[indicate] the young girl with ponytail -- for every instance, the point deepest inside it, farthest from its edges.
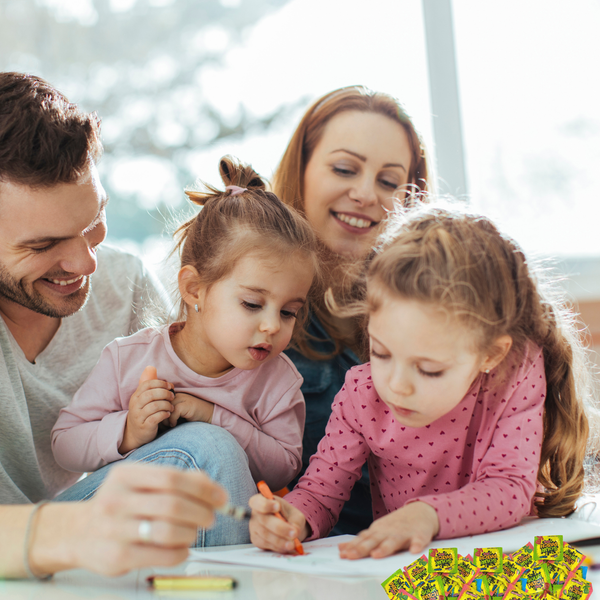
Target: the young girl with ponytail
(247, 264)
(468, 414)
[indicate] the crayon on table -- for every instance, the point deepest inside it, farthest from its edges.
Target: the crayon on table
(191, 582)
(264, 489)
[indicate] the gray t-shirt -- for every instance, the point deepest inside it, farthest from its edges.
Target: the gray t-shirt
(31, 395)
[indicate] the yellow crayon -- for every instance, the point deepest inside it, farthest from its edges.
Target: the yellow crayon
(191, 582)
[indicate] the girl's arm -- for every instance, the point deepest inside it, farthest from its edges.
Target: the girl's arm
(102, 535)
(273, 445)
(88, 432)
(334, 468)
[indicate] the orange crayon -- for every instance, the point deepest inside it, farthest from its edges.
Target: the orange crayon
(264, 489)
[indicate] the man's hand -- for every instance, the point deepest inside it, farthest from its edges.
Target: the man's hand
(413, 526)
(270, 533)
(104, 534)
(150, 404)
(191, 408)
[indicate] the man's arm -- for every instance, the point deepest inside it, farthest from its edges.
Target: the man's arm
(103, 534)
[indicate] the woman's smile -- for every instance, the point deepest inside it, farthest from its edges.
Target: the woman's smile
(351, 177)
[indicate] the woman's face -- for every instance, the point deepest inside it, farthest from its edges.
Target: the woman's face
(351, 176)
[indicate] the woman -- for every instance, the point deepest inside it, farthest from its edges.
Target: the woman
(352, 153)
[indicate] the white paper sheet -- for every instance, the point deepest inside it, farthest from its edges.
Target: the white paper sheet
(322, 556)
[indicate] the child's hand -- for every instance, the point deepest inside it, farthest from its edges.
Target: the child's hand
(191, 408)
(150, 404)
(412, 526)
(270, 533)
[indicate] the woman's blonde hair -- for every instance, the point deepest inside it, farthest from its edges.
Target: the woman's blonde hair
(234, 223)
(288, 182)
(463, 264)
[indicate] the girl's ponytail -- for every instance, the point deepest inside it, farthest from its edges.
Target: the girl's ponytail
(566, 426)
(235, 173)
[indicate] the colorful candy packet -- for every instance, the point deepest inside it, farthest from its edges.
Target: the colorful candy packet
(548, 547)
(395, 582)
(572, 557)
(576, 588)
(469, 594)
(537, 580)
(443, 560)
(452, 584)
(488, 560)
(416, 572)
(559, 571)
(524, 556)
(432, 588)
(465, 568)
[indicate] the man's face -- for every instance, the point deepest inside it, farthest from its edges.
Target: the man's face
(48, 239)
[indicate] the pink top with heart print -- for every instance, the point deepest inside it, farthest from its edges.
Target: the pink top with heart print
(477, 465)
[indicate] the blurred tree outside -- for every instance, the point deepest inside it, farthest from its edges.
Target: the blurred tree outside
(138, 64)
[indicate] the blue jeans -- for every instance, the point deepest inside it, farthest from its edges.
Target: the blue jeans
(198, 446)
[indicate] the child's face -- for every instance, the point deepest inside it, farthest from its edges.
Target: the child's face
(422, 363)
(248, 317)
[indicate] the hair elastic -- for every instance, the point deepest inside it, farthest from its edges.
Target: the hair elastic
(236, 190)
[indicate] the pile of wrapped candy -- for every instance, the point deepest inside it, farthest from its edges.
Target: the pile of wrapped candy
(548, 569)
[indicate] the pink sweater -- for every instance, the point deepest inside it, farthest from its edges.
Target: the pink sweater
(262, 408)
(477, 465)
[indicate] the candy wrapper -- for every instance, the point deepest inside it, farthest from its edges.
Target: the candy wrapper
(432, 588)
(465, 568)
(416, 572)
(452, 584)
(488, 560)
(515, 594)
(537, 580)
(548, 547)
(443, 560)
(524, 556)
(572, 557)
(576, 588)
(395, 582)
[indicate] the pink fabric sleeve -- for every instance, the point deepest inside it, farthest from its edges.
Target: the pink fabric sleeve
(274, 447)
(333, 470)
(89, 431)
(500, 491)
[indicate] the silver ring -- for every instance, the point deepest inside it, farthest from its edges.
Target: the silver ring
(145, 530)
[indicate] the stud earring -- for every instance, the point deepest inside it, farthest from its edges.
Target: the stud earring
(196, 309)
(487, 370)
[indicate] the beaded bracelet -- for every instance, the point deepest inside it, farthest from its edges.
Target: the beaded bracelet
(28, 536)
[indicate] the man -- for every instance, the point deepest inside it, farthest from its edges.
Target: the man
(62, 299)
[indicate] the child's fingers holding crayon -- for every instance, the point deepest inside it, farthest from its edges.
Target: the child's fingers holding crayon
(269, 532)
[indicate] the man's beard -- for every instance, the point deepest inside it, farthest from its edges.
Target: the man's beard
(13, 290)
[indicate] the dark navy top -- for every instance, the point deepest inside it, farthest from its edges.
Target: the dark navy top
(323, 379)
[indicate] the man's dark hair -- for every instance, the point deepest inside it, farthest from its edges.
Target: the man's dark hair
(44, 139)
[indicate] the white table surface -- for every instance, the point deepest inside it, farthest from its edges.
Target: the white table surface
(252, 584)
